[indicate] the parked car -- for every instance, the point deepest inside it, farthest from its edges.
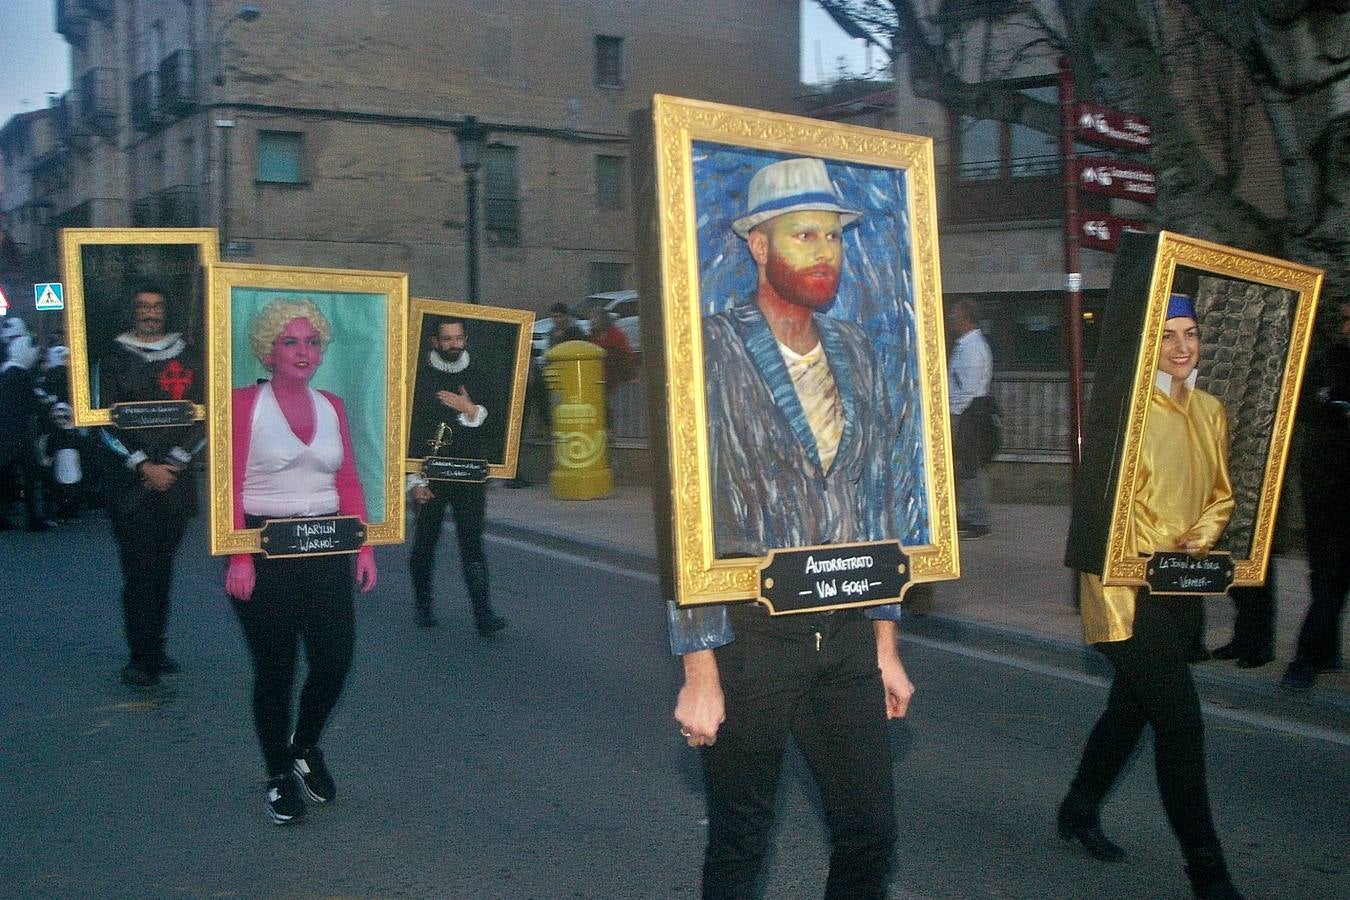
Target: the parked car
(623, 305)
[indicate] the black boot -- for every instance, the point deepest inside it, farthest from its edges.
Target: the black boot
(476, 580)
(1208, 873)
(1078, 821)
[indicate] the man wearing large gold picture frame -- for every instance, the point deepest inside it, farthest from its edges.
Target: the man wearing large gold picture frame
(796, 412)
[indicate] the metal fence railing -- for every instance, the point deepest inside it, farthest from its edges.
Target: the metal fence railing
(1034, 406)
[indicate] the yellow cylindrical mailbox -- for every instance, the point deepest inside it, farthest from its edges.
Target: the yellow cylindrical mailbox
(576, 377)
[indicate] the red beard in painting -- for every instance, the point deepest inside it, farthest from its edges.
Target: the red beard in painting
(811, 287)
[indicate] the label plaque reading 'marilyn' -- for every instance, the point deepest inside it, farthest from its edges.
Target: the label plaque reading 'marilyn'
(449, 468)
(836, 576)
(1181, 573)
(152, 413)
(312, 536)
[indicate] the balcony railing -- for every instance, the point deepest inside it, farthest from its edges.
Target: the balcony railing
(72, 21)
(145, 114)
(177, 83)
(97, 93)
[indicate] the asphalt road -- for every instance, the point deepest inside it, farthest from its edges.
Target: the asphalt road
(544, 763)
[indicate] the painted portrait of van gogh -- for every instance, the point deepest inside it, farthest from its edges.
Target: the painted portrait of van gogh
(876, 294)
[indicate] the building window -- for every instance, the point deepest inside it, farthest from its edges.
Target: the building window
(606, 276)
(501, 195)
(279, 157)
(609, 182)
(609, 61)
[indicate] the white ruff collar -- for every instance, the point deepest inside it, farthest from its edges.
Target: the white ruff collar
(166, 347)
(450, 368)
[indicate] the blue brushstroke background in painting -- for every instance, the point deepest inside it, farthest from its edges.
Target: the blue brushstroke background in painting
(876, 288)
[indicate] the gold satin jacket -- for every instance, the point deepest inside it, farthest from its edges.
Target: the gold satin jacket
(1182, 492)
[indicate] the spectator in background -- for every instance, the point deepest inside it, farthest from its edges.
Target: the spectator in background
(1325, 416)
(620, 360)
(970, 375)
(565, 327)
(19, 408)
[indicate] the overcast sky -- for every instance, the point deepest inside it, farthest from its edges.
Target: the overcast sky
(35, 60)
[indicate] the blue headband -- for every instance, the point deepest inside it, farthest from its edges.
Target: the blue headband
(1180, 306)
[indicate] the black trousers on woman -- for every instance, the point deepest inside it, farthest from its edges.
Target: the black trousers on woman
(1153, 687)
(304, 597)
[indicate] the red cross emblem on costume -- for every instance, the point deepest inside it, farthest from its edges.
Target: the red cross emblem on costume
(174, 379)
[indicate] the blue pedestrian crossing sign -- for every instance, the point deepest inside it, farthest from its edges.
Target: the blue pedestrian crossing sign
(48, 296)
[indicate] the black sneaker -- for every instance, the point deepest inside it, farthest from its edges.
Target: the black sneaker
(138, 677)
(284, 803)
(1299, 677)
(313, 775)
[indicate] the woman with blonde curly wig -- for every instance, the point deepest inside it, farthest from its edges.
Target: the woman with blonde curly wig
(293, 458)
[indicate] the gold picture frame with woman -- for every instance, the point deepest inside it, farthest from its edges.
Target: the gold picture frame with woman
(490, 346)
(1250, 317)
(724, 180)
(354, 324)
(104, 270)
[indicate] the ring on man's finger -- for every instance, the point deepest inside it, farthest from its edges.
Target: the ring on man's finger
(685, 732)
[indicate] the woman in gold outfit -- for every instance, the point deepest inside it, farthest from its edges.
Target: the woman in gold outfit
(1182, 501)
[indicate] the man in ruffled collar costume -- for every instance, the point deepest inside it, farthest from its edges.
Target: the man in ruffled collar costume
(152, 490)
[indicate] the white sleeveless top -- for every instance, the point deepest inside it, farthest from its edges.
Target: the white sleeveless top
(284, 476)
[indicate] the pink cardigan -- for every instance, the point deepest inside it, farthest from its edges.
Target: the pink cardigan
(351, 500)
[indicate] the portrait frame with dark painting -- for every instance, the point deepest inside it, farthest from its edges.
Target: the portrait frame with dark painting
(499, 349)
(1255, 317)
(695, 266)
(367, 312)
(101, 268)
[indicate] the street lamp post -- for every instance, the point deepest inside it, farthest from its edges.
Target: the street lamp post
(471, 136)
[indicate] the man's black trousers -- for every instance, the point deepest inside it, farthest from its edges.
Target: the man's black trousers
(148, 526)
(468, 505)
(813, 677)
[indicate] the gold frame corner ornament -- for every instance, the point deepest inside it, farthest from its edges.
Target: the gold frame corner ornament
(700, 577)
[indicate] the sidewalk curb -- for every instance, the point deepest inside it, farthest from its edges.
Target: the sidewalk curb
(1215, 684)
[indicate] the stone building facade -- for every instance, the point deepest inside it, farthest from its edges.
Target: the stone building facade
(324, 134)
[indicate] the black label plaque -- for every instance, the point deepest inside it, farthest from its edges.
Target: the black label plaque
(1181, 573)
(152, 413)
(312, 536)
(834, 576)
(449, 468)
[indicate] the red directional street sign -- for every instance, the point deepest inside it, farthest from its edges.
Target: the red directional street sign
(1108, 127)
(1103, 232)
(1116, 178)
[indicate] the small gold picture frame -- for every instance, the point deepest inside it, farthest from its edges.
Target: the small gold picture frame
(495, 373)
(364, 366)
(101, 269)
(1255, 317)
(889, 291)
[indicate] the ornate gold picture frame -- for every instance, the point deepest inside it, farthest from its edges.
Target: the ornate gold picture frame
(497, 370)
(889, 291)
(364, 365)
(1255, 317)
(101, 269)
